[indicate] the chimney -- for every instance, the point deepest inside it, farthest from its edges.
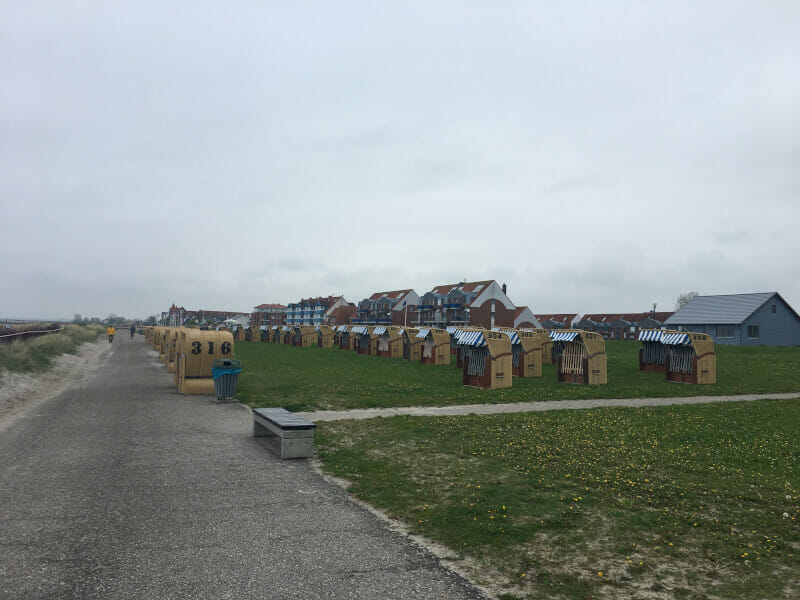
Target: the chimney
(504, 288)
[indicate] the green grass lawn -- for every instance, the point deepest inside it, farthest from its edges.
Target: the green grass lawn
(315, 378)
(699, 501)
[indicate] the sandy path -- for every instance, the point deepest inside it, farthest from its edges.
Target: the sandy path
(20, 392)
(518, 407)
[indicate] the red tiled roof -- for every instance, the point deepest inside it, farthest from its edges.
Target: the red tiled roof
(560, 317)
(322, 300)
(630, 317)
(604, 317)
(467, 287)
(393, 295)
(660, 316)
(270, 306)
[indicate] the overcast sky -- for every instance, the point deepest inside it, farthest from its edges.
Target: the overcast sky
(594, 156)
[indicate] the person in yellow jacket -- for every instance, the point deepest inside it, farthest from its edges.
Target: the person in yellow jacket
(111, 331)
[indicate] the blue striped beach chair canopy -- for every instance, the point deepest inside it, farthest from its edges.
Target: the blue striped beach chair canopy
(512, 335)
(676, 339)
(650, 335)
(564, 336)
(472, 338)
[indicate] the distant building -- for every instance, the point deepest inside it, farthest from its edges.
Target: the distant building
(342, 315)
(388, 308)
(239, 321)
(524, 318)
(740, 319)
(178, 315)
(622, 326)
(559, 320)
(313, 311)
(476, 303)
(268, 314)
(612, 326)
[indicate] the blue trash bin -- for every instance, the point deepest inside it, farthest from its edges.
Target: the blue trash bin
(225, 372)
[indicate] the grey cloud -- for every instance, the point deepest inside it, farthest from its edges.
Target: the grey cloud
(592, 158)
(574, 183)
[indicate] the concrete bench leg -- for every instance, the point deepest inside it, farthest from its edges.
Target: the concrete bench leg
(294, 444)
(261, 431)
(297, 447)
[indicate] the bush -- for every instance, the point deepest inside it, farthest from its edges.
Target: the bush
(36, 354)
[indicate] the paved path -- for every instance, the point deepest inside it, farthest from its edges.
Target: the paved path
(121, 488)
(518, 407)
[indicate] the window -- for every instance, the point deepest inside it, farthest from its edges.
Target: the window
(752, 331)
(774, 309)
(725, 331)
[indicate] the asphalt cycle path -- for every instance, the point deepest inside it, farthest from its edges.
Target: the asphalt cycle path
(121, 488)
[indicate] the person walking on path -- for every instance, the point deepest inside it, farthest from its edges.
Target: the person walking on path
(111, 331)
(133, 330)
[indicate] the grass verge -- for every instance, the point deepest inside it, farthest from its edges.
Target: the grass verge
(698, 501)
(314, 378)
(36, 354)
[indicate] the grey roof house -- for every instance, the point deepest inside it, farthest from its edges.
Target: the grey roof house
(740, 319)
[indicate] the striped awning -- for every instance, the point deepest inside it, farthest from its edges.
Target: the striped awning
(423, 333)
(460, 334)
(359, 329)
(472, 338)
(379, 331)
(676, 339)
(451, 330)
(286, 328)
(563, 336)
(316, 328)
(401, 331)
(512, 335)
(653, 335)
(275, 327)
(342, 329)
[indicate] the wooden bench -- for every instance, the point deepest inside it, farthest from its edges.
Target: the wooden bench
(296, 434)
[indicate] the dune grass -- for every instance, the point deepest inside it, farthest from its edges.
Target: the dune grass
(315, 378)
(36, 354)
(699, 501)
